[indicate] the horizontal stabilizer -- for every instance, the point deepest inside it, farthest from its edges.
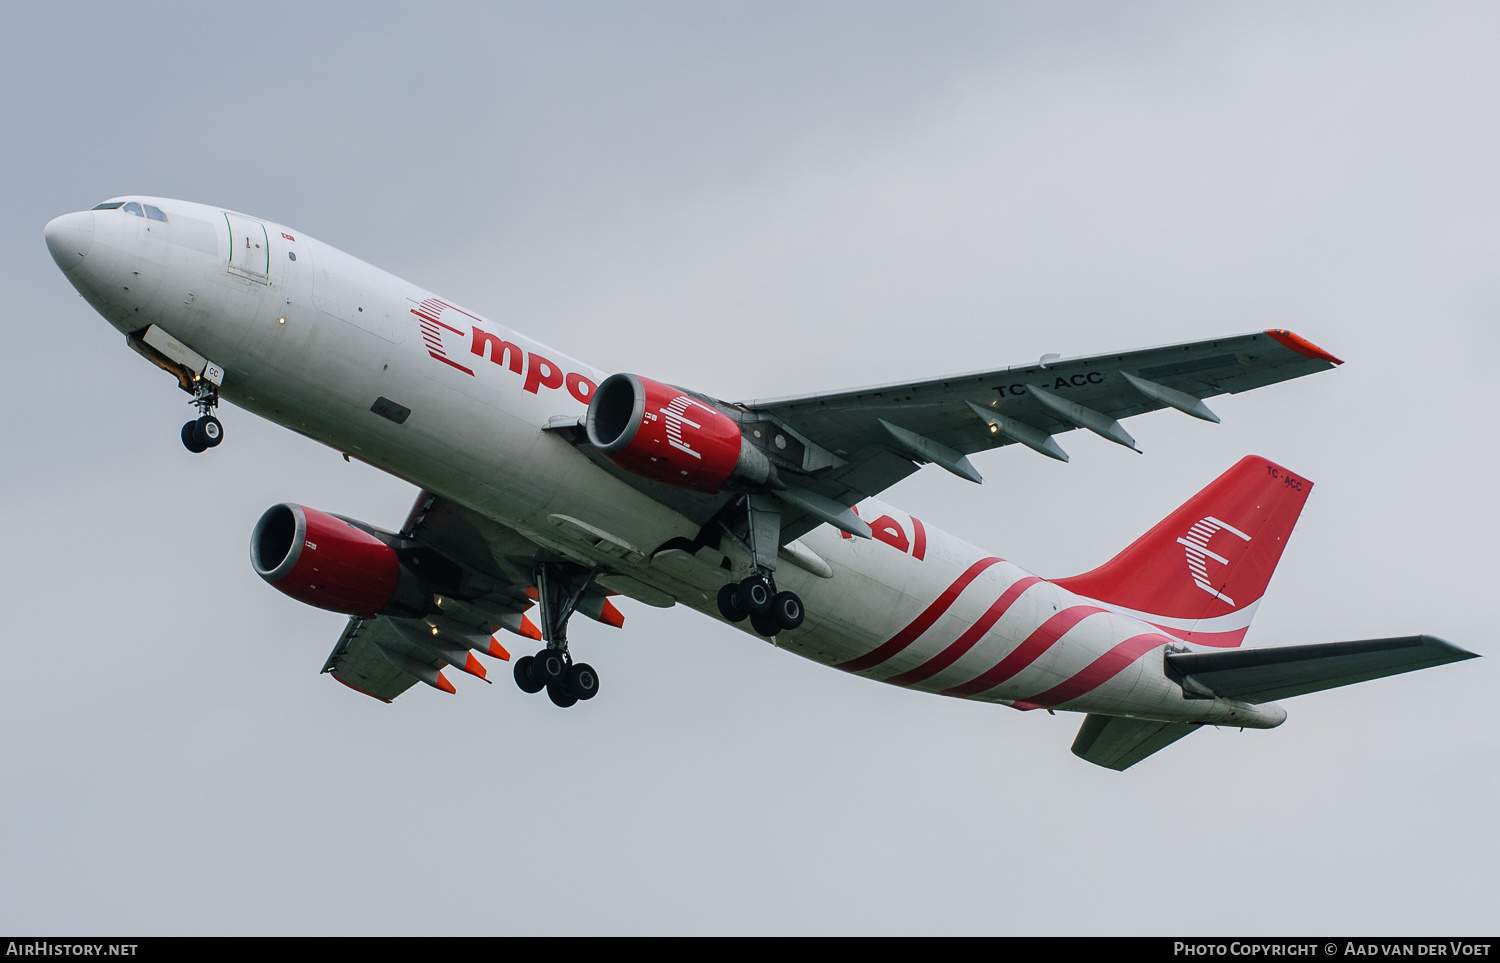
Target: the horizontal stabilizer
(1265, 675)
(1116, 742)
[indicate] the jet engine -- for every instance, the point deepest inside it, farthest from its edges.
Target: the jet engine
(673, 437)
(325, 561)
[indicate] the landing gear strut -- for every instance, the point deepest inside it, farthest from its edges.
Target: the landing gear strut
(755, 597)
(206, 431)
(559, 585)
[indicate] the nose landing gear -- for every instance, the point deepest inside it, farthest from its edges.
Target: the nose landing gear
(205, 431)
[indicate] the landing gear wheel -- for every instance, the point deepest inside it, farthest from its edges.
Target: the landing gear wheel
(787, 610)
(765, 623)
(583, 681)
(549, 667)
(209, 430)
(729, 604)
(522, 672)
(191, 440)
(756, 594)
(561, 696)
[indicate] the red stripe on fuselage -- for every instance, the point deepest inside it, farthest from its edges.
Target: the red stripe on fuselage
(921, 623)
(966, 641)
(1028, 651)
(1222, 640)
(1100, 671)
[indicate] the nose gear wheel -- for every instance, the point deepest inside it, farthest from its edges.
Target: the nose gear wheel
(206, 431)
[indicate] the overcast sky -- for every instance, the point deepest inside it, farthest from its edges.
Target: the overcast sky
(756, 200)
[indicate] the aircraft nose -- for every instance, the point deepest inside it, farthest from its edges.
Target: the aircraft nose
(69, 238)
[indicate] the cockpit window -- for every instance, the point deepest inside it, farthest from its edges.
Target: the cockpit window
(134, 207)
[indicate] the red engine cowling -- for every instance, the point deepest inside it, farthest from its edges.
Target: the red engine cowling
(324, 561)
(667, 435)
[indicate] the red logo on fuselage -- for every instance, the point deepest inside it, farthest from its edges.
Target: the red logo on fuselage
(537, 372)
(888, 530)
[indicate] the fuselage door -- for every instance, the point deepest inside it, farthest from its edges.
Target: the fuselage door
(249, 248)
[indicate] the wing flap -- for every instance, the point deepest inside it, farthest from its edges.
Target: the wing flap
(1280, 672)
(357, 663)
(479, 575)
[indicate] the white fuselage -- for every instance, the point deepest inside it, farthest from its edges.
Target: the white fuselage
(310, 337)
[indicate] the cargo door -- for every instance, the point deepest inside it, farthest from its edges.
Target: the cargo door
(249, 248)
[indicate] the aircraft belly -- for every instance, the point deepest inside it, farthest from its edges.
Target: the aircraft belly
(878, 588)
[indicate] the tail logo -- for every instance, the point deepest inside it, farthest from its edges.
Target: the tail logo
(1196, 543)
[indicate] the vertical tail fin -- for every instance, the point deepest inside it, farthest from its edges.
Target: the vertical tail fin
(1201, 572)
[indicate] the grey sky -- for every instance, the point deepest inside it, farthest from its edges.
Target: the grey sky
(759, 200)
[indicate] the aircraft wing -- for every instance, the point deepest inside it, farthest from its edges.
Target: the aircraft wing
(1255, 676)
(873, 437)
(479, 570)
(359, 663)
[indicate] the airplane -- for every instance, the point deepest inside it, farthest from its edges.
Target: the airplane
(551, 488)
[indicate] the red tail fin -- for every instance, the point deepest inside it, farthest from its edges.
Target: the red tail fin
(1201, 571)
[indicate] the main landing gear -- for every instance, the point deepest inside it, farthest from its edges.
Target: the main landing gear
(770, 612)
(559, 585)
(205, 431)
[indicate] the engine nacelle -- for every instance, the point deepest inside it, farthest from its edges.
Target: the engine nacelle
(667, 435)
(324, 561)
